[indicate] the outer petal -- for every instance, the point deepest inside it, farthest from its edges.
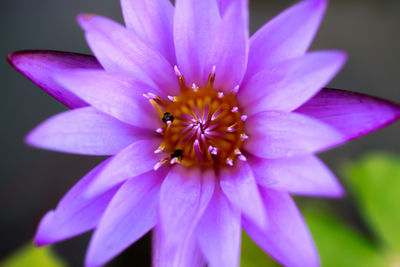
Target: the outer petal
(240, 188)
(187, 254)
(304, 175)
(115, 94)
(76, 213)
(288, 85)
(286, 36)
(131, 213)
(352, 114)
(38, 66)
(152, 20)
(195, 24)
(231, 38)
(287, 238)
(84, 131)
(219, 232)
(121, 50)
(280, 134)
(184, 197)
(134, 160)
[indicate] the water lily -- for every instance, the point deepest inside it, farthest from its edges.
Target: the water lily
(208, 130)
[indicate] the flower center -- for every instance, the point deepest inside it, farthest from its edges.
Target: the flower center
(201, 126)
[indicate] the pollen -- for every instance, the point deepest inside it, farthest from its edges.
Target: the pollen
(202, 126)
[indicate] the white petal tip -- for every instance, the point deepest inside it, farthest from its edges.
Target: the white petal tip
(158, 150)
(242, 158)
(244, 137)
(157, 166)
(177, 71)
(213, 69)
(235, 89)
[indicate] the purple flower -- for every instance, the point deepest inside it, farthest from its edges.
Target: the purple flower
(208, 130)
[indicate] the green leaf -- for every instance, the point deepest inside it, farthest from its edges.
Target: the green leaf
(375, 183)
(30, 256)
(253, 256)
(338, 244)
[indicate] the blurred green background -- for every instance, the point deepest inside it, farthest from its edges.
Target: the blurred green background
(359, 230)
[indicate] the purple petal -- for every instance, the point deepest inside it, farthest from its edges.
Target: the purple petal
(195, 24)
(184, 197)
(224, 5)
(288, 85)
(121, 50)
(152, 20)
(231, 38)
(286, 238)
(131, 214)
(84, 131)
(351, 113)
(38, 66)
(75, 213)
(281, 134)
(134, 160)
(286, 36)
(219, 232)
(115, 94)
(240, 188)
(304, 175)
(187, 254)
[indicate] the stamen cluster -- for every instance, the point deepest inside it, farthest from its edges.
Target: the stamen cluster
(201, 126)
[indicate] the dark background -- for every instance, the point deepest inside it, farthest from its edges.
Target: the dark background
(32, 181)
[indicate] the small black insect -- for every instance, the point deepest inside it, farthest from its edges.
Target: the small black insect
(167, 117)
(177, 154)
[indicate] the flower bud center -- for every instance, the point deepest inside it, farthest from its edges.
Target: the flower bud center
(201, 126)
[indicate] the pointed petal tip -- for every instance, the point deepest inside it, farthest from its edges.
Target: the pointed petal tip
(392, 112)
(31, 138)
(39, 241)
(337, 57)
(90, 261)
(35, 139)
(342, 55)
(342, 58)
(395, 107)
(84, 18)
(353, 114)
(318, 5)
(337, 192)
(10, 58)
(14, 57)
(44, 231)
